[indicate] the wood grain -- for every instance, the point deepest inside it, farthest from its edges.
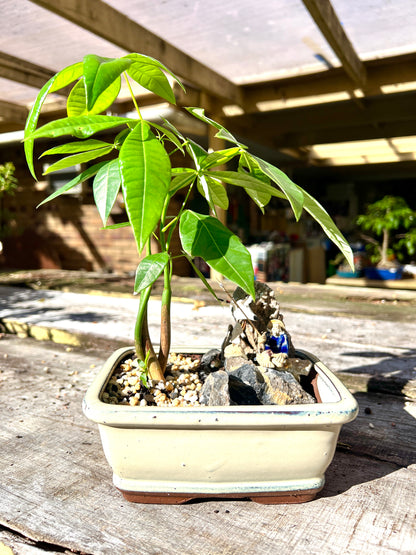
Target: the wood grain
(56, 485)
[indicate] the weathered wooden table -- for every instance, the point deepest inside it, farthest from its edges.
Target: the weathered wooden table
(56, 493)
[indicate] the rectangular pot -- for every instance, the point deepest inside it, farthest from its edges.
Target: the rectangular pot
(383, 273)
(268, 453)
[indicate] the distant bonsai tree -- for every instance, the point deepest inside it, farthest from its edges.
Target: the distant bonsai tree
(8, 185)
(385, 219)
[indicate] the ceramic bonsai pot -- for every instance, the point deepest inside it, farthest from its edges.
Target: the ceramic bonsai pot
(383, 273)
(270, 454)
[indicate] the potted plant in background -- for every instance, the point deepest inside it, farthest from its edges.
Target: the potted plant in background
(173, 454)
(386, 218)
(8, 186)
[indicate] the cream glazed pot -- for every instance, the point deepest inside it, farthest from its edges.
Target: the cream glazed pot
(268, 453)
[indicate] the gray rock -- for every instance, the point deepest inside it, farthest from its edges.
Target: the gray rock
(282, 388)
(211, 360)
(250, 375)
(232, 363)
(298, 367)
(264, 308)
(241, 393)
(215, 391)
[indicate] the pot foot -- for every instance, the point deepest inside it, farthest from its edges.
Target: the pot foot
(266, 498)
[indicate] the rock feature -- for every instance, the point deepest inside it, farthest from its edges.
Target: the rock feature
(259, 353)
(256, 365)
(251, 376)
(215, 391)
(210, 362)
(282, 388)
(241, 393)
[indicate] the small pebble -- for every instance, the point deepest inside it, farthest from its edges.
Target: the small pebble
(180, 388)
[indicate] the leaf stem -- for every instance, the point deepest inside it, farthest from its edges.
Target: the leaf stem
(142, 342)
(132, 96)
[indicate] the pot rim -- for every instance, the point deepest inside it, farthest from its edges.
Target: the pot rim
(337, 412)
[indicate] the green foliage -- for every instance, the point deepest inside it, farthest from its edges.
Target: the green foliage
(390, 213)
(407, 243)
(383, 218)
(8, 182)
(208, 238)
(138, 166)
(8, 186)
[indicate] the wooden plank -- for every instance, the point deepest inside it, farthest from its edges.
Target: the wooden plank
(402, 387)
(114, 26)
(15, 544)
(384, 429)
(56, 485)
(329, 122)
(325, 17)
(11, 112)
(313, 88)
(22, 71)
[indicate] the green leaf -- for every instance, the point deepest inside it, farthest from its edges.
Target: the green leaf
(181, 181)
(197, 153)
(77, 103)
(31, 123)
(174, 130)
(75, 159)
(149, 73)
(121, 137)
(58, 81)
(153, 79)
(149, 269)
(66, 76)
(77, 146)
(99, 74)
(106, 186)
(217, 194)
(83, 176)
(171, 136)
(319, 213)
(208, 238)
(145, 173)
(292, 192)
(245, 180)
(81, 126)
(259, 197)
(220, 157)
(223, 133)
(116, 226)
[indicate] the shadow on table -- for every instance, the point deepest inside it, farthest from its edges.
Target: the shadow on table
(380, 441)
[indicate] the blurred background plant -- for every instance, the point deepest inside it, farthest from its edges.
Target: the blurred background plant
(8, 186)
(392, 224)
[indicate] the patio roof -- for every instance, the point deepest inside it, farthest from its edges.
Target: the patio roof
(325, 83)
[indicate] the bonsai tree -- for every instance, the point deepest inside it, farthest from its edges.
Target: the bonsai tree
(383, 218)
(140, 166)
(8, 185)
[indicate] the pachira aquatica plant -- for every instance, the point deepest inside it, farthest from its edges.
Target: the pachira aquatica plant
(140, 167)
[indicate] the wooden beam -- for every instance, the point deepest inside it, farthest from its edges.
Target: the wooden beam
(22, 71)
(12, 113)
(104, 21)
(384, 116)
(316, 87)
(325, 17)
